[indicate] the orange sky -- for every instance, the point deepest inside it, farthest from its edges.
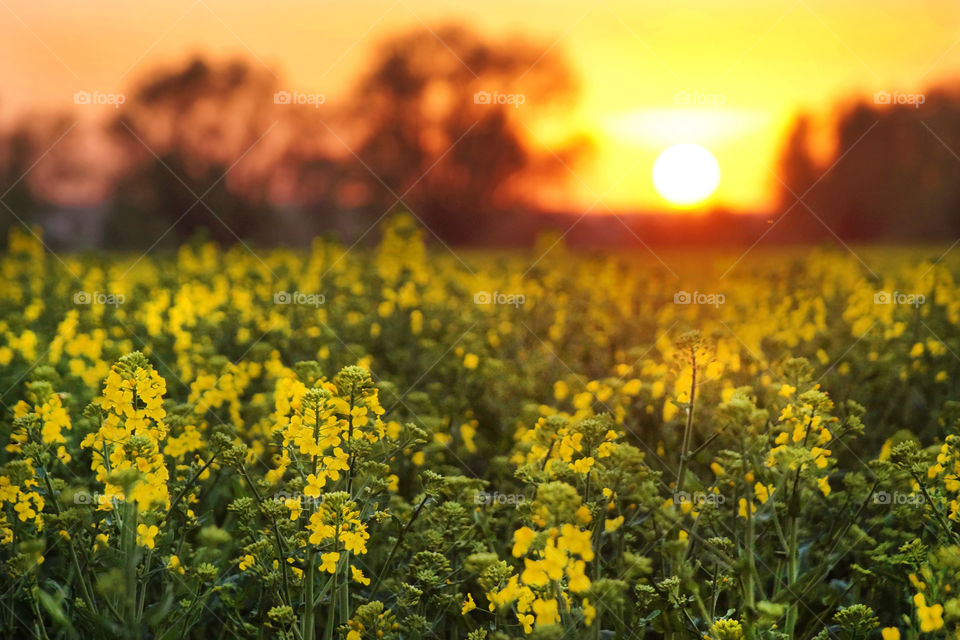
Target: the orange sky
(727, 75)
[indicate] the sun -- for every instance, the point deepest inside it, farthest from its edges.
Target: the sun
(686, 174)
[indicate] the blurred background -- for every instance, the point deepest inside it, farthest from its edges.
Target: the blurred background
(139, 125)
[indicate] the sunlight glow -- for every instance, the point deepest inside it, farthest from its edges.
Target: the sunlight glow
(686, 174)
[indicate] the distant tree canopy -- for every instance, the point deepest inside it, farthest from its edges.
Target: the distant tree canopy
(444, 125)
(18, 197)
(24, 195)
(411, 135)
(189, 138)
(893, 176)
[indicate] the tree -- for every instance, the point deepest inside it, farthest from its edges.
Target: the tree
(197, 131)
(894, 174)
(41, 166)
(443, 122)
(799, 173)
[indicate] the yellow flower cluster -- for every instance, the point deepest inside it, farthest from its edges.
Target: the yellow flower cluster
(337, 519)
(127, 446)
(930, 616)
(947, 469)
(27, 503)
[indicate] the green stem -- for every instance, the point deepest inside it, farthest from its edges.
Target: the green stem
(73, 551)
(143, 585)
(308, 620)
(940, 519)
(792, 568)
(328, 632)
(793, 525)
(396, 544)
(189, 613)
(749, 596)
(183, 491)
(129, 544)
(281, 549)
(308, 613)
(688, 427)
(345, 589)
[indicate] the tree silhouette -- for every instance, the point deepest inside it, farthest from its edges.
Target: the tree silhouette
(198, 131)
(444, 119)
(893, 176)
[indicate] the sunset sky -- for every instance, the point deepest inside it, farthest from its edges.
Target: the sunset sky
(728, 76)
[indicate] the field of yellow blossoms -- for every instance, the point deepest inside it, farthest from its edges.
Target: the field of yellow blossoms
(401, 442)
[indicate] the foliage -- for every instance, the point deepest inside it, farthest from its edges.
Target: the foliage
(374, 444)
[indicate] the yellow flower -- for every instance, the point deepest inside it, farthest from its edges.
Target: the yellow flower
(824, 485)
(546, 611)
(295, 508)
(522, 538)
(358, 576)
(470, 361)
(890, 633)
(247, 562)
(174, 564)
(467, 432)
(931, 618)
(468, 605)
(612, 524)
(416, 322)
(583, 515)
(576, 541)
(354, 542)
(583, 465)
(527, 621)
(727, 630)
(589, 612)
(578, 578)
(631, 388)
(533, 573)
(670, 410)
(146, 535)
(315, 484)
(560, 390)
(763, 492)
(328, 562)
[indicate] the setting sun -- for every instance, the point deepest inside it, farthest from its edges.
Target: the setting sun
(686, 174)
